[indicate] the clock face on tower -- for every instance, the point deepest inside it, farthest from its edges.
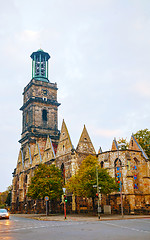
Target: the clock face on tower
(44, 92)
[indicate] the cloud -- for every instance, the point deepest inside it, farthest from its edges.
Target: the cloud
(28, 35)
(143, 89)
(106, 133)
(99, 58)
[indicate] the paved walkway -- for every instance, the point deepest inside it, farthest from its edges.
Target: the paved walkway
(78, 217)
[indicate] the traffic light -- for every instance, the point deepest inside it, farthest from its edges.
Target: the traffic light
(65, 198)
(96, 194)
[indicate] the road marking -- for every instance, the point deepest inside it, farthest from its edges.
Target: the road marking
(39, 226)
(68, 224)
(120, 226)
(138, 220)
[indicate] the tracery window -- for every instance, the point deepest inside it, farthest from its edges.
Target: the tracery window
(118, 173)
(63, 172)
(135, 174)
(25, 185)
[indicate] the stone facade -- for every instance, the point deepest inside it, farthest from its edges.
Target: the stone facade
(39, 111)
(42, 142)
(40, 132)
(67, 158)
(131, 168)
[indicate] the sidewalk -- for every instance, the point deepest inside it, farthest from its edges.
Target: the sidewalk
(79, 217)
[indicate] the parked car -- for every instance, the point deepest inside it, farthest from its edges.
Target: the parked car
(4, 214)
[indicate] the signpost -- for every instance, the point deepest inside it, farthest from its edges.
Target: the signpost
(46, 199)
(65, 200)
(64, 190)
(99, 195)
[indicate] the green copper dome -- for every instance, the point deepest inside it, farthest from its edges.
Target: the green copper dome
(40, 65)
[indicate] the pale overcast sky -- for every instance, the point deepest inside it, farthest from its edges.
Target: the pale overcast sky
(100, 59)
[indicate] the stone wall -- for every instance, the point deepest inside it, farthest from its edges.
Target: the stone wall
(135, 177)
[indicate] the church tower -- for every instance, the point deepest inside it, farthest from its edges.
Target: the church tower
(40, 134)
(40, 105)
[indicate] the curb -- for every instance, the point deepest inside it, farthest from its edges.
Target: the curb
(78, 218)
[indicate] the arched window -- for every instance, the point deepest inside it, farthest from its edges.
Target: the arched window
(117, 164)
(17, 184)
(118, 173)
(25, 186)
(102, 164)
(132, 143)
(25, 179)
(44, 115)
(63, 172)
(135, 174)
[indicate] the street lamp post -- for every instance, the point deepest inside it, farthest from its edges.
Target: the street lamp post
(99, 195)
(120, 186)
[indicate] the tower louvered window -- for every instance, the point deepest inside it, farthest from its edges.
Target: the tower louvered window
(44, 115)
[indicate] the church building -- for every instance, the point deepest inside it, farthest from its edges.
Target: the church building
(42, 142)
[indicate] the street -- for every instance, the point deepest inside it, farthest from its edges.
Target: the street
(18, 228)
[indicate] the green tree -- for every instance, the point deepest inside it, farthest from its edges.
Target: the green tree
(82, 183)
(122, 144)
(47, 181)
(8, 199)
(143, 138)
(5, 198)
